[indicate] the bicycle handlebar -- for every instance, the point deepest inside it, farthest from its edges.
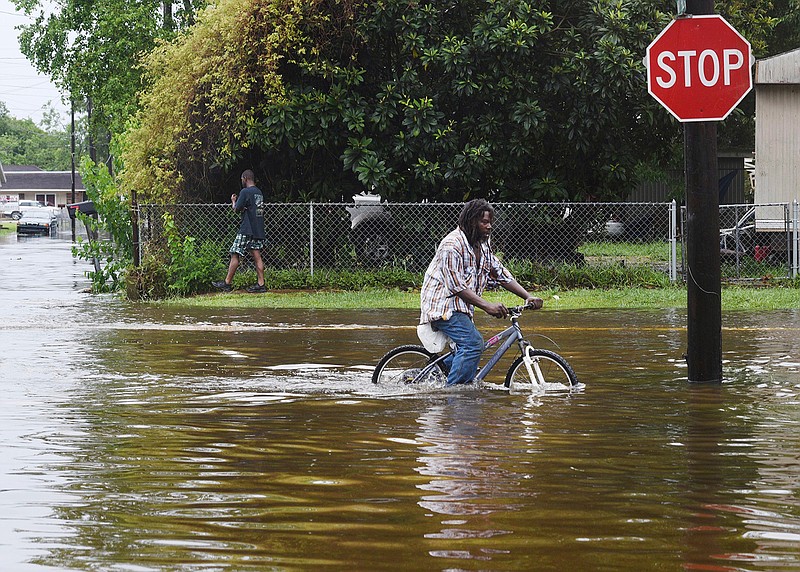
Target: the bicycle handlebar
(517, 310)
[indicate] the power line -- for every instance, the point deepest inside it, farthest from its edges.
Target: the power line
(29, 86)
(15, 14)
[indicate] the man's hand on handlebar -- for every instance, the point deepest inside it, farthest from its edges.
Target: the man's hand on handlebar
(534, 303)
(496, 309)
(499, 310)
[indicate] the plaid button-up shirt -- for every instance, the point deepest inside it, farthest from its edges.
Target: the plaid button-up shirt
(455, 268)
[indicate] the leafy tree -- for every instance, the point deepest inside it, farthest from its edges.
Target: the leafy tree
(441, 100)
(786, 34)
(22, 142)
(91, 49)
(209, 88)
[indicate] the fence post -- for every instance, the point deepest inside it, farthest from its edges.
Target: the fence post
(311, 237)
(796, 238)
(136, 231)
(673, 240)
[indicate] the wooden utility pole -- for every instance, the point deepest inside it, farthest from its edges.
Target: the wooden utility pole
(72, 157)
(703, 275)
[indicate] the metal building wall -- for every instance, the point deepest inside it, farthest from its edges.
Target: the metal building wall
(777, 162)
(777, 143)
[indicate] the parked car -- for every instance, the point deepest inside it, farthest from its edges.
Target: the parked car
(16, 209)
(39, 221)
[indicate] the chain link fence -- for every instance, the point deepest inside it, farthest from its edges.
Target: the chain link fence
(757, 241)
(370, 234)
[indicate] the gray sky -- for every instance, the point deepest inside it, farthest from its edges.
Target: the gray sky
(24, 91)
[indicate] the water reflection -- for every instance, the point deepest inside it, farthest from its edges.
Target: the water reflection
(140, 437)
(468, 482)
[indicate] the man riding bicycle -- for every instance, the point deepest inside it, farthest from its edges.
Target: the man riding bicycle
(454, 284)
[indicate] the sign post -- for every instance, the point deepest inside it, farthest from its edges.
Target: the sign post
(698, 67)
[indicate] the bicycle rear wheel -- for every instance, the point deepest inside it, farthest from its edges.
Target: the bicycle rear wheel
(555, 371)
(400, 367)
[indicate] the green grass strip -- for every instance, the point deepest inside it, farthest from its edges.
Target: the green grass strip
(733, 298)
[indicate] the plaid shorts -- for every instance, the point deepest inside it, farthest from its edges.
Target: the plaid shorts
(243, 244)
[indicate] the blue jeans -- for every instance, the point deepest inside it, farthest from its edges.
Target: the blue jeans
(469, 347)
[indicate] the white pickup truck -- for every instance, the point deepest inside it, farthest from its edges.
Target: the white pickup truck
(15, 209)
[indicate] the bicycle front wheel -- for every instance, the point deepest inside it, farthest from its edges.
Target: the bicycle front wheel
(401, 366)
(552, 372)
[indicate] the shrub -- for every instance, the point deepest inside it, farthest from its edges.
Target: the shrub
(192, 265)
(113, 255)
(148, 281)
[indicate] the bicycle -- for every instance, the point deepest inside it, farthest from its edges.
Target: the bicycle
(534, 368)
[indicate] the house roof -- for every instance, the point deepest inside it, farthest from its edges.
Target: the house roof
(30, 178)
(780, 69)
(8, 168)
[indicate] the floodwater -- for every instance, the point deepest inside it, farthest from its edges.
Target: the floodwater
(139, 438)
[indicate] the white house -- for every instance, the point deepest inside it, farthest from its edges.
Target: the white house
(51, 188)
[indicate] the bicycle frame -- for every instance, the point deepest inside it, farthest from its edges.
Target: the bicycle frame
(511, 335)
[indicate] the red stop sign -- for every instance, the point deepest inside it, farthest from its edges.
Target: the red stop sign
(698, 67)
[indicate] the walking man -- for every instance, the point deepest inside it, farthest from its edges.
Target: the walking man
(251, 236)
(454, 285)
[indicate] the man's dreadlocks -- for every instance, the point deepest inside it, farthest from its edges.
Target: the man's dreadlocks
(469, 217)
